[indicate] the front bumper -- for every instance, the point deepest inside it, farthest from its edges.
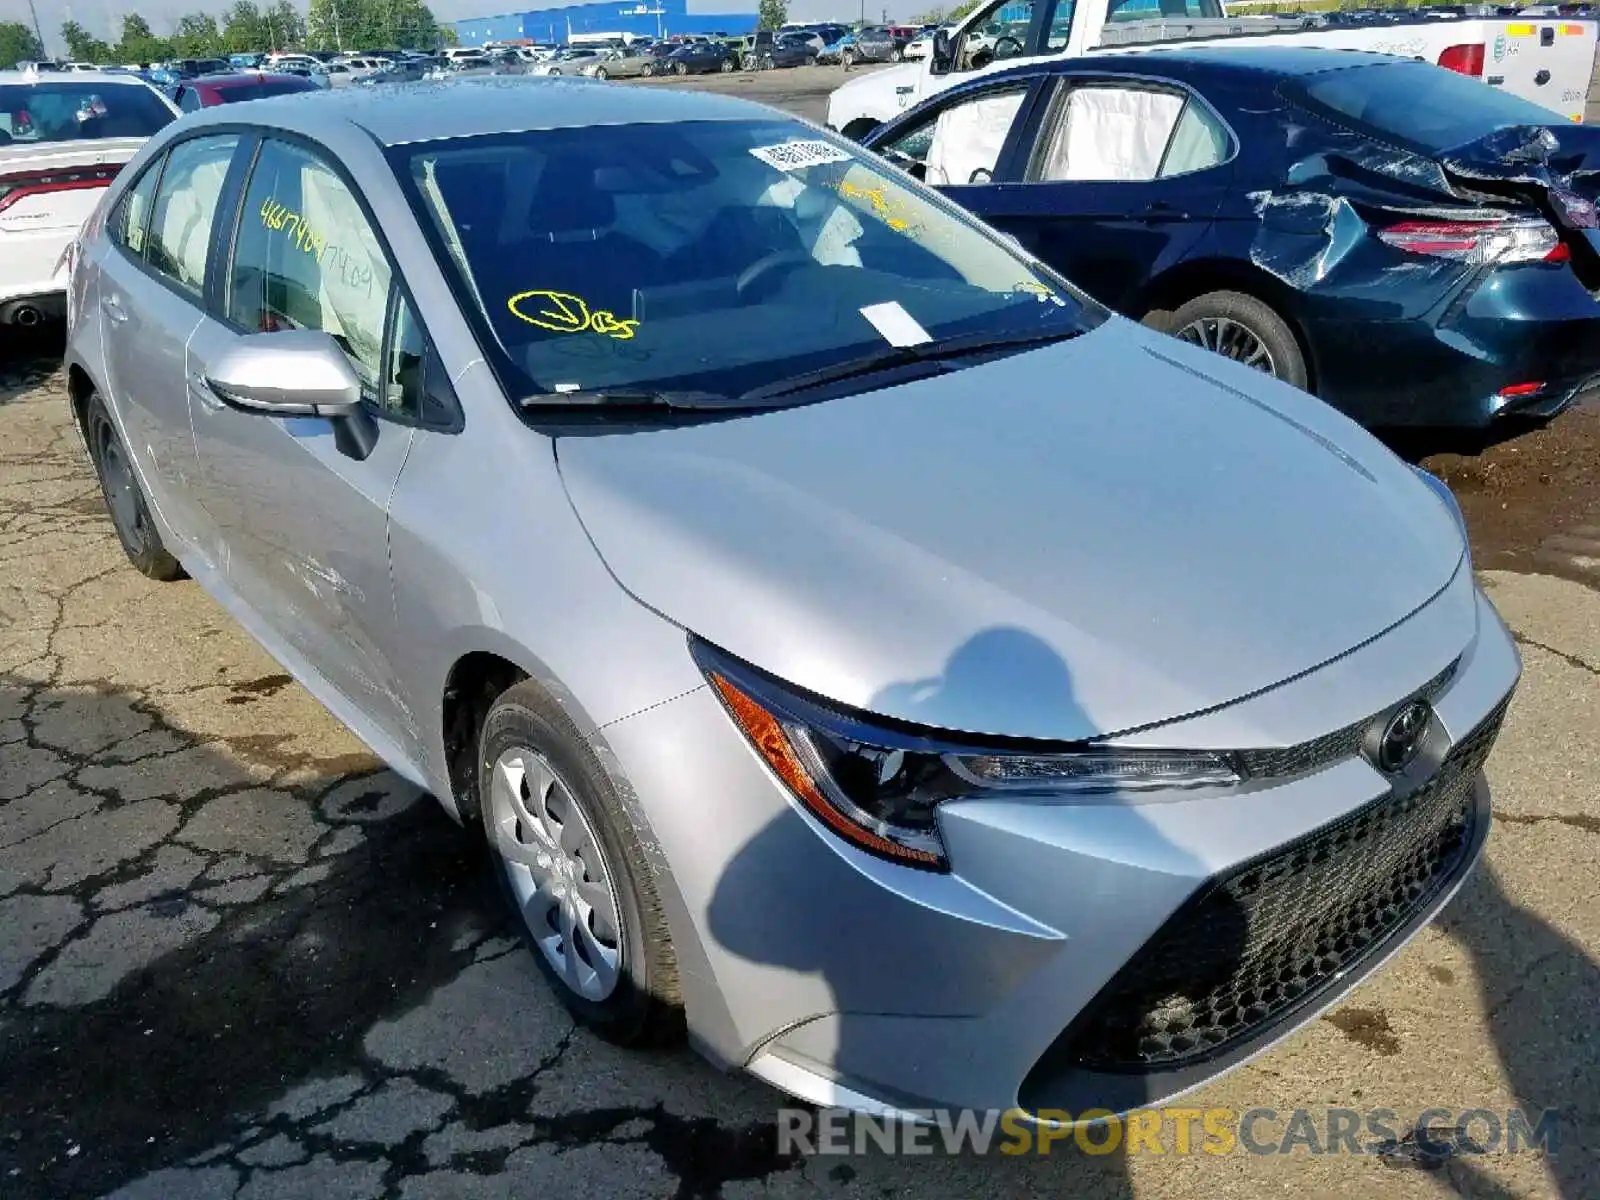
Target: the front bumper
(1038, 973)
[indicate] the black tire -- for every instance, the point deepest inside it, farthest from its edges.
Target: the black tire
(647, 70)
(728, 65)
(600, 73)
(646, 1007)
(125, 502)
(1206, 319)
(897, 55)
(847, 60)
(683, 68)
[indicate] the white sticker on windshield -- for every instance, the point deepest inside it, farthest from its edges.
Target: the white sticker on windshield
(796, 156)
(895, 325)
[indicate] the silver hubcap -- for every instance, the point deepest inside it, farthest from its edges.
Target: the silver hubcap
(1222, 335)
(558, 873)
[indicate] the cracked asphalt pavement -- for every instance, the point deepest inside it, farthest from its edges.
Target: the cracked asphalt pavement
(239, 959)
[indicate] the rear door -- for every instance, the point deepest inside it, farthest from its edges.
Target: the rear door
(1117, 179)
(152, 283)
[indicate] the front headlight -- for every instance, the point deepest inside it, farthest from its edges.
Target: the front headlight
(878, 783)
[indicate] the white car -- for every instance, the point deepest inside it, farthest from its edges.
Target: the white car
(63, 138)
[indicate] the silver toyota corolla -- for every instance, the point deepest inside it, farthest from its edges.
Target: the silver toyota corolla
(852, 642)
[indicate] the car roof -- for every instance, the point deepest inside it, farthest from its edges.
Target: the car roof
(404, 113)
(242, 79)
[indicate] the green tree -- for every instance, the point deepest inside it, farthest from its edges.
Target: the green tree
(331, 24)
(197, 36)
(286, 28)
(448, 36)
(772, 14)
(244, 29)
(139, 43)
(18, 43)
(82, 46)
(934, 16)
(960, 11)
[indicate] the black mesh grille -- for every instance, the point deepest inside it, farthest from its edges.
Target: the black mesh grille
(1270, 935)
(1330, 747)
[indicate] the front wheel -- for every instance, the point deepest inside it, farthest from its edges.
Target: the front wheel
(897, 55)
(847, 60)
(683, 68)
(647, 70)
(125, 502)
(727, 65)
(570, 865)
(1244, 329)
(600, 73)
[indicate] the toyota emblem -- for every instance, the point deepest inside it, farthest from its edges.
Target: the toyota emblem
(1402, 736)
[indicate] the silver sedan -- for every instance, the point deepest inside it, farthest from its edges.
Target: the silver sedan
(853, 644)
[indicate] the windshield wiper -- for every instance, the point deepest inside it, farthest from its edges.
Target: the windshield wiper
(630, 398)
(898, 356)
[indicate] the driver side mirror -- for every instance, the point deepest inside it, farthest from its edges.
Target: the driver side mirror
(296, 373)
(943, 56)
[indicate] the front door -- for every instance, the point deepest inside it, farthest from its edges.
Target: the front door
(306, 526)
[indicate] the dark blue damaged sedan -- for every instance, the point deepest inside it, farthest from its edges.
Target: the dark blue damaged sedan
(1410, 245)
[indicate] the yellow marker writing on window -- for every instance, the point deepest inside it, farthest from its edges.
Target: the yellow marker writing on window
(565, 313)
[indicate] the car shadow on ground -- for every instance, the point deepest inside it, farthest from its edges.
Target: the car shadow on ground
(1541, 996)
(28, 356)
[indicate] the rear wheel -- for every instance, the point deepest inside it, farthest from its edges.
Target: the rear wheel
(727, 65)
(647, 70)
(1244, 329)
(130, 515)
(847, 60)
(683, 68)
(897, 55)
(600, 73)
(569, 863)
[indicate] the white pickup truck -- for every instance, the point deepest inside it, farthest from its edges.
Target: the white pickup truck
(1544, 59)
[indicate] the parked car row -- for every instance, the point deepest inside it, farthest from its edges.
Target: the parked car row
(905, 642)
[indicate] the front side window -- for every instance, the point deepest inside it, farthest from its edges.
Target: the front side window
(999, 33)
(721, 256)
(179, 241)
(1119, 134)
(306, 257)
(962, 143)
(31, 113)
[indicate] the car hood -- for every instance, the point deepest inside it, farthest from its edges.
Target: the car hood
(1096, 536)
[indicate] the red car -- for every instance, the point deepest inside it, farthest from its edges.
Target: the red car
(207, 90)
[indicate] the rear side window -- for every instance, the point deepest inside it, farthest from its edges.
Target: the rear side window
(307, 258)
(32, 113)
(186, 202)
(1422, 106)
(133, 212)
(1128, 135)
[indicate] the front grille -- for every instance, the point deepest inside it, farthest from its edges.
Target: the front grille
(1330, 747)
(1270, 935)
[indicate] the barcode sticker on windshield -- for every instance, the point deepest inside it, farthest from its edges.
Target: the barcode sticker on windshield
(796, 156)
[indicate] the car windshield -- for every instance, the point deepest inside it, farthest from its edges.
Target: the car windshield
(1419, 105)
(718, 256)
(71, 112)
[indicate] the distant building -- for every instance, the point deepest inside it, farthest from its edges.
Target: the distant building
(627, 19)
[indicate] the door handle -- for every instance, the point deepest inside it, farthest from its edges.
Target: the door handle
(1160, 210)
(112, 305)
(201, 391)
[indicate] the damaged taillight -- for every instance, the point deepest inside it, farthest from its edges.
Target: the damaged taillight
(1483, 243)
(1466, 59)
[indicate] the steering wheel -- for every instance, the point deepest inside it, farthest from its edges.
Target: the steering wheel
(778, 260)
(1001, 50)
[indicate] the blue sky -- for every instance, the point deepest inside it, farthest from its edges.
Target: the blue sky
(102, 17)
